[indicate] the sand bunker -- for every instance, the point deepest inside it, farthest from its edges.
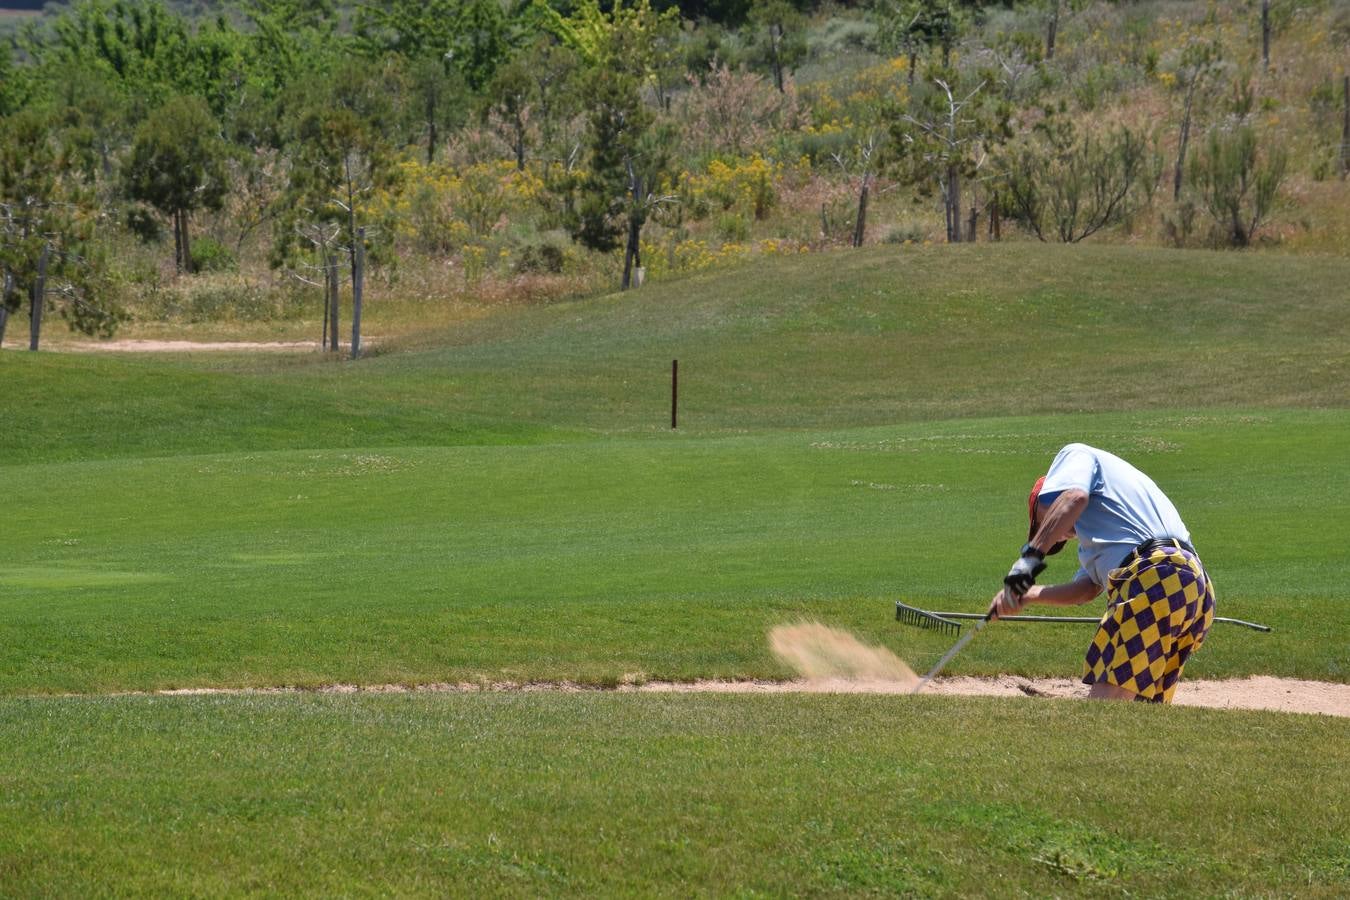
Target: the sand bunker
(832, 661)
(1258, 692)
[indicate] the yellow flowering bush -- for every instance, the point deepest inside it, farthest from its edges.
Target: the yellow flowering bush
(746, 186)
(693, 255)
(439, 206)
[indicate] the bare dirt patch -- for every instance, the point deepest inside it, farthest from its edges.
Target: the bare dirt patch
(149, 346)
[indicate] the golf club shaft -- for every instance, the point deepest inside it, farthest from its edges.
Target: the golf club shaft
(946, 657)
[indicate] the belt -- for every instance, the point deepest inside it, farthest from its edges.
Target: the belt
(1148, 546)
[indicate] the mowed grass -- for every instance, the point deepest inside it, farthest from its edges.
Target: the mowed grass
(623, 795)
(506, 502)
(638, 558)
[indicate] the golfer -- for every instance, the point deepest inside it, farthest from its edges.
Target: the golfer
(1132, 544)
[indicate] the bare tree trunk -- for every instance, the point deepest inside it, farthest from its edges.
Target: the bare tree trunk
(36, 300)
(974, 223)
(4, 304)
(775, 39)
(860, 227)
(630, 252)
(358, 286)
(177, 244)
(1345, 128)
(1185, 139)
(431, 125)
(327, 300)
(1052, 30)
(953, 205)
(1265, 33)
(187, 243)
(333, 299)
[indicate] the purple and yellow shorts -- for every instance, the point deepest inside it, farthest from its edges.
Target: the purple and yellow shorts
(1158, 611)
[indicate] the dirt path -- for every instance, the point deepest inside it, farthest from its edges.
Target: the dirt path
(1258, 692)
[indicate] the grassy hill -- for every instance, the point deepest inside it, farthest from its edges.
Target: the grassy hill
(841, 339)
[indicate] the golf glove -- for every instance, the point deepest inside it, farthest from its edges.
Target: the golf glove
(1023, 573)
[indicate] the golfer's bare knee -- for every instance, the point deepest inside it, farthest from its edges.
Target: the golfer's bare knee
(1103, 691)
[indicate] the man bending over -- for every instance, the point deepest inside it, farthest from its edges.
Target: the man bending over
(1132, 544)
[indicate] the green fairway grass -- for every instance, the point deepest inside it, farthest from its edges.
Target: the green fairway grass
(507, 503)
(657, 559)
(621, 795)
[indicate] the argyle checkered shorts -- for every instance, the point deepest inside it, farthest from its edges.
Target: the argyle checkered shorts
(1158, 611)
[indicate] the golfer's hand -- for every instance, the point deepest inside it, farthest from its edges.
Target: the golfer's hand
(1023, 573)
(1006, 605)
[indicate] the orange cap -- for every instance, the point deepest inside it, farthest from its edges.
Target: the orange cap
(1031, 506)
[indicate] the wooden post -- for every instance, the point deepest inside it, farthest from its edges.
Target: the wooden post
(358, 273)
(674, 392)
(37, 298)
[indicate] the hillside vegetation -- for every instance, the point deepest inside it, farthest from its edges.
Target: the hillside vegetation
(202, 174)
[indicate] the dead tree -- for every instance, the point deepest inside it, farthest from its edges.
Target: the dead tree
(952, 145)
(1199, 60)
(868, 155)
(323, 237)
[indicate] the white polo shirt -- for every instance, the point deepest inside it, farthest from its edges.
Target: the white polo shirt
(1125, 508)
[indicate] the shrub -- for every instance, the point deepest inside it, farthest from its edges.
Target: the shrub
(213, 299)
(820, 146)
(1069, 186)
(145, 223)
(748, 187)
(210, 255)
(1237, 183)
(733, 227)
(906, 232)
(545, 254)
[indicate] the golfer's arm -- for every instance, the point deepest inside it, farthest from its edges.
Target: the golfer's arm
(1057, 524)
(1075, 593)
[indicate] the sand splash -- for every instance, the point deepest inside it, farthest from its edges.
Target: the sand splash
(824, 655)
